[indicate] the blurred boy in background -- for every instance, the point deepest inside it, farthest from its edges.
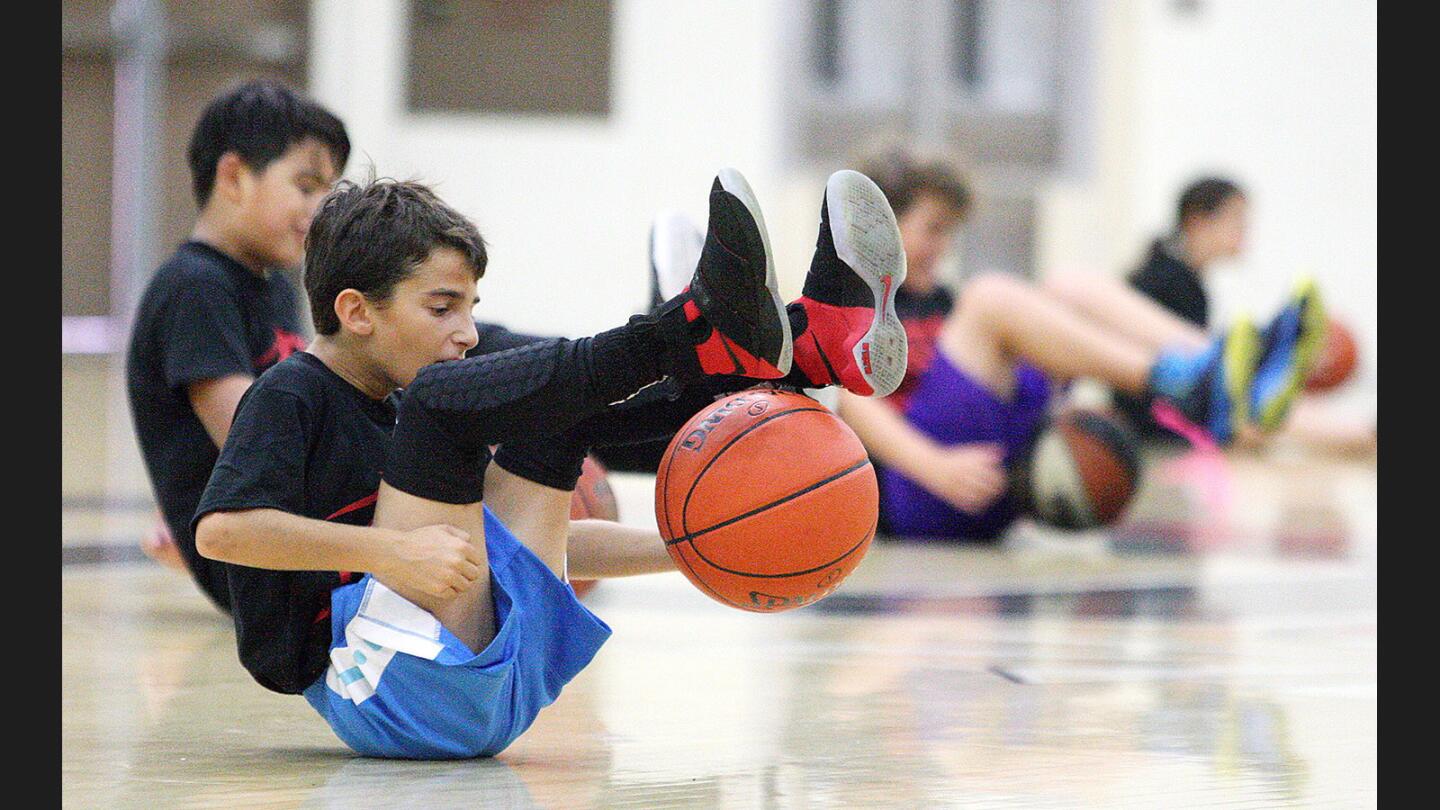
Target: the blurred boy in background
(983, 369)
(217, 313)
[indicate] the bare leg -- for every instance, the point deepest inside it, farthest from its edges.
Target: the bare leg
(1110, 302)
(470, 614)
(538, 516)
(1001, 319)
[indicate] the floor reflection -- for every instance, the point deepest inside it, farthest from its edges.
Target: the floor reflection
(1209, 650)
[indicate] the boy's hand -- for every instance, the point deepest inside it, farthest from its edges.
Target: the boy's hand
(438, 561)
(969, 476)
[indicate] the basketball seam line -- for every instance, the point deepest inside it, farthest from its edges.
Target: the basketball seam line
(870, 535)
(685, 507)
(695, 577)
(865, 462)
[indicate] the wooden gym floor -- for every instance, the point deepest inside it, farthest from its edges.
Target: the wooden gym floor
(1219, 647)
(1177, 662)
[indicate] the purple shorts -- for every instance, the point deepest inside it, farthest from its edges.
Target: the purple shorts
(951, 407)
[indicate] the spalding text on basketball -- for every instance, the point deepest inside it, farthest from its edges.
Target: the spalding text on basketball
(695, 439)
(766, 601)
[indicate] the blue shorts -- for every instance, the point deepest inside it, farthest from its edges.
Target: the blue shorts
(951, 407)
(401, 685)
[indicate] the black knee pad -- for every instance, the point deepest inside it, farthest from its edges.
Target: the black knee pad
(476, 383)
(555, 462)
(426, 460)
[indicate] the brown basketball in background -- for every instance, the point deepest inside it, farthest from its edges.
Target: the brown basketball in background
(766, 500)
(1336, 361)
(1081, 472)
(592, 498)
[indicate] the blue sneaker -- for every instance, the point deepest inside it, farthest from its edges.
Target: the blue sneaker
(1289, 345)
(1213, 388)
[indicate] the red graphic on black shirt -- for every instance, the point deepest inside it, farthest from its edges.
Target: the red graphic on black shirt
(345, 576)
(368, 500)
(922, 335)
(286, 344)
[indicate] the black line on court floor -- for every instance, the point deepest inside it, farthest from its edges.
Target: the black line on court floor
(1168, 600)
(1007, 674)
(101, 554)
(105, 503)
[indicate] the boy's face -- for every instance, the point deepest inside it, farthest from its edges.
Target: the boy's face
(926, 230)
(427, 319)
(1225, 228)
(276, 204)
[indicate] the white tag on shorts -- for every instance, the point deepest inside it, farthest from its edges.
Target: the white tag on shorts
(386, 623)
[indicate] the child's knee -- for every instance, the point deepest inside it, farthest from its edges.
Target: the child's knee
(427, 460)
(1067, 285)
(993, 292)
(985, 305)
(467, 387)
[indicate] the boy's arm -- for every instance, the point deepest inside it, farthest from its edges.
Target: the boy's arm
(437, 560)
(967, 476)
(215, 401)
(204, 350)
(252, 511)
(598, 549)
(888, 437)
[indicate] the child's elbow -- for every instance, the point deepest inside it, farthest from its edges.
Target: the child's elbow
(215, 536)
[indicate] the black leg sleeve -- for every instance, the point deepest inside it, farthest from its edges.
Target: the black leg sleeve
(658, 412)
(454, 411)
(554, 461)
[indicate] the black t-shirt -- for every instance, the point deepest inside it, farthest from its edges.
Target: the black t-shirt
(1172, 284)
(922, 315)
(1175, 285)
(203, 316)
(304, 441)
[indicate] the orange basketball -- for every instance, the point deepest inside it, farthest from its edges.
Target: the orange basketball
(592, 498)
(766, 500)
(1336, 361)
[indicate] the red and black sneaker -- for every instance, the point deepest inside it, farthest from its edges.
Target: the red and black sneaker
(846, 330)
(734, 322)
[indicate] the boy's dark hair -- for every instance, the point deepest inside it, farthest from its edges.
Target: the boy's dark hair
(1205, 196)
(371, 237)
(258, 121)
(904, 177)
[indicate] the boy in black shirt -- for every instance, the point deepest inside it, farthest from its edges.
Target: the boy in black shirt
(366, 571)
(216, 314)
(1210, 224)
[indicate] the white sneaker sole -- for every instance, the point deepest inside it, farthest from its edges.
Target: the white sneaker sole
(675, 246)
(734, 182)
(867, 239)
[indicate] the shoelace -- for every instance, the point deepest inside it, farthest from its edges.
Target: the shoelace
(1204, 468)
(1170, 418)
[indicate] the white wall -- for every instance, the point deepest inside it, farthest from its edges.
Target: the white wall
(1279, 94)
(566, 204)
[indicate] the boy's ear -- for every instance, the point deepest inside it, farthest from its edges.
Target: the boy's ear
(231, 176)
(354, 312)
